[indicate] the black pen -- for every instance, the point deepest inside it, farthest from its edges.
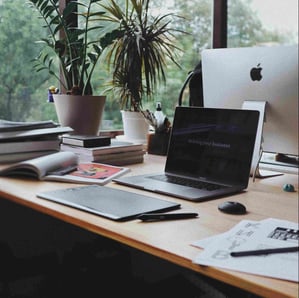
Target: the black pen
(166, 216)
(267, 251)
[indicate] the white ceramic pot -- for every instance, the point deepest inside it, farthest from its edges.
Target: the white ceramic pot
(82, 113)
(135, 127)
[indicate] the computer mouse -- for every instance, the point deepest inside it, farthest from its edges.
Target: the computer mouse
(232, 207)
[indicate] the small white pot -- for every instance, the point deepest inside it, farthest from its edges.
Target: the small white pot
(135, 127)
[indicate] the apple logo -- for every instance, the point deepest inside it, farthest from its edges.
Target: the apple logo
(255, 73)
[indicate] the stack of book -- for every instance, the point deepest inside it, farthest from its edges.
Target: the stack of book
(25, 140)
(117, 153)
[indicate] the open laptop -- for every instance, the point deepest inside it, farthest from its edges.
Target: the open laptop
(209, 155)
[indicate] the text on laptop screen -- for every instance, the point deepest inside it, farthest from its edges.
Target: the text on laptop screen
(208, 144)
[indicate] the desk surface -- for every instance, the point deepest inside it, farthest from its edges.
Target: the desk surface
(171, 240)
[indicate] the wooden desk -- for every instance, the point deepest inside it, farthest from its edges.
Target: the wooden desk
(171, 240)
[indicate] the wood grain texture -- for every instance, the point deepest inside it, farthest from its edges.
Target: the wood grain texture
(171, 240)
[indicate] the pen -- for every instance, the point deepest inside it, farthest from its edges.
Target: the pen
(264, 251)
(166, 216)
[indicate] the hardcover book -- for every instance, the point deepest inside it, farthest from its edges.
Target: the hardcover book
(86, 141)
(8, 136)
(117, 159)
(29, 146)
(121, 161)
(6, 125)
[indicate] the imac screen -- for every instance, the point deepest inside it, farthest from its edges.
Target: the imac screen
(270, 74)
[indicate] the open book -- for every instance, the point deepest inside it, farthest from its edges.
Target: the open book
(64, 166)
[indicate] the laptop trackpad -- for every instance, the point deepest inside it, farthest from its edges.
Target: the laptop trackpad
(174, 189)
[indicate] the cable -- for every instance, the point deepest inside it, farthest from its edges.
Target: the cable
(184, 86)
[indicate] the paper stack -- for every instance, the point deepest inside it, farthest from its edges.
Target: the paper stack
(254, 235)
(25, 140)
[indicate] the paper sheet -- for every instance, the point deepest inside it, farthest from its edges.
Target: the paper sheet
(249, 235)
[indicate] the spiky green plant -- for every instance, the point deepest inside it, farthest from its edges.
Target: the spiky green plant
(140, 54)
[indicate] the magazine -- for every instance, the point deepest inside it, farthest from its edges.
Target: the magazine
(64, 167)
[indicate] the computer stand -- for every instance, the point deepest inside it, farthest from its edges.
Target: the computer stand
(255, 172)
(279, 162)
(265, 173)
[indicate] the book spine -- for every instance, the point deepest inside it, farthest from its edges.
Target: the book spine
(99, 150)
(119, 155)
(28, 146)
(87, 143)
(122, 162)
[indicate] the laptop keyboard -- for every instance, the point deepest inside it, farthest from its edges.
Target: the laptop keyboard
(188, 182)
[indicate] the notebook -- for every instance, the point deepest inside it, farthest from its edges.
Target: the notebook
(115, 204)
(209, 155)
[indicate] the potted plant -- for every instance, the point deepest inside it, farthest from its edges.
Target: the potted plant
(70, 48)
(137, 57)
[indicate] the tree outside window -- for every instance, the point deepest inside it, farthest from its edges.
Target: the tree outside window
(24, 92)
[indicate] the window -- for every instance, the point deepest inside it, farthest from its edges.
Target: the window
(24, 92)
(267, 22)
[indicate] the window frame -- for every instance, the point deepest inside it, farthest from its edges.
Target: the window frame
(219, 29)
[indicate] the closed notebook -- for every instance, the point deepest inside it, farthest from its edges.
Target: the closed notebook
(86, 141)
(115, 204)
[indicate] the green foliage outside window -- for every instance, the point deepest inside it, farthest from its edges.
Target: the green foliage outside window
(24, 92)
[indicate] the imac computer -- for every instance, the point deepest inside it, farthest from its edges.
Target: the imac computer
(262, 78)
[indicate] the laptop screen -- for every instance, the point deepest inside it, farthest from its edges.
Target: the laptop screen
(212, 144)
